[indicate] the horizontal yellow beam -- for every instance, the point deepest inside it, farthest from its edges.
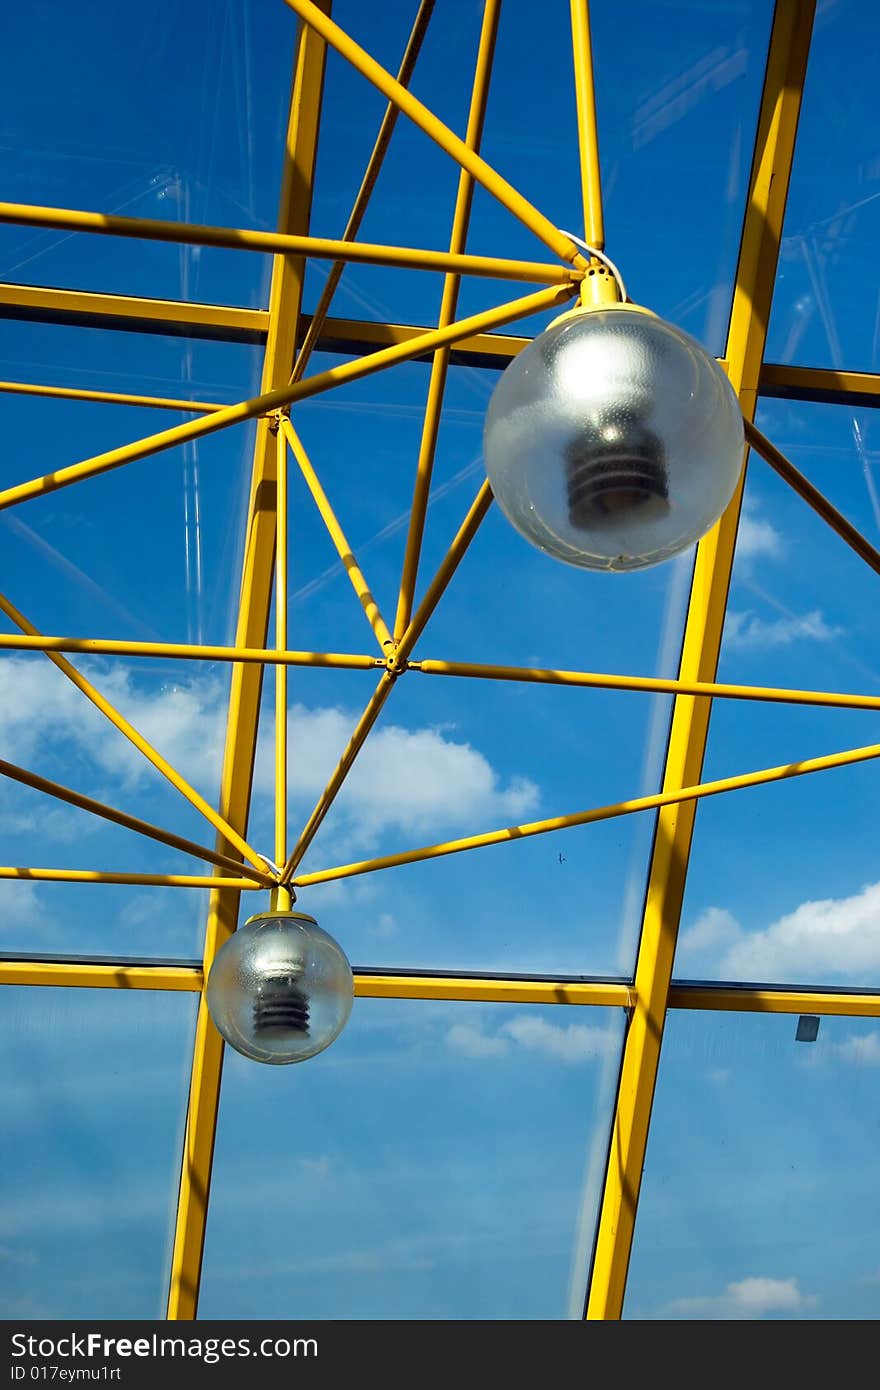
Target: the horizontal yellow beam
(133, 313)
(591, 817)
(819, 384)
(93, 975)
(651, 685)
(757, 999)
(134, 880)
(184, 651)
(78, 393)
(494, 991)
(274, 243)
(283, 396)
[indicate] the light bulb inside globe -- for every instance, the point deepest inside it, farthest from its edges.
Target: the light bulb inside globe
(280, 990)
(613, 441)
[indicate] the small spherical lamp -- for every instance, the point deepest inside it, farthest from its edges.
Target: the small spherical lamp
(614, 440)
(280, 990)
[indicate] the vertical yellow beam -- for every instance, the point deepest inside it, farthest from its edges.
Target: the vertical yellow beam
(588, 136)
(256, 590)
(281, 646)
(768, 188)
(448, 305)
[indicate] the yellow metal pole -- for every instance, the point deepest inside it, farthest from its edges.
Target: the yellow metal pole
(137, 739)
(76, 393)
(755, 1000)
(653, 802)
(141, 827)
(368, 183)
(132, 880)
(816, 499)
(95, 975)
(396, 663)
(281, 644)
(285, 395)
(753, 290)
(337, 535)
(588, 138)
(653, 685)
(91, 308)
(182, 651)
(285, 302)
(482, 172)
(318, 248)
(590, 993)
(448, 305)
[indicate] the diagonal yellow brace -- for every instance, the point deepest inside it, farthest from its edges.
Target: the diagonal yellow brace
(753, 291)
(337, 535)
(813, 497)
(364, 193)
(137, 739)
(448, 305)
(285, 395)
(454, 146)
(396, 664)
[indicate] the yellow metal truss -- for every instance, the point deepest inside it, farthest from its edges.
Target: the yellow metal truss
(289, 337)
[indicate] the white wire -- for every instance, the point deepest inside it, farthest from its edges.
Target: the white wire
(600, 256)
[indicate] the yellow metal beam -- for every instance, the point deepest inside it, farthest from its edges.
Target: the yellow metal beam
(813, 497)
(97, 975)
(448, 305)
(136, 738)
(285, 395)
(141, 827)
(757, 999)
(427, 122)
(756, 270)
(184, 651)
(77, 393)
(244, 706)
(277, 243)
(478, 989)
(396, 663)
(132, 880)
(588, 136)
(364, 193)
(653, 685)
(656, 800)
(338, 537)
(133, 313)
(819, 384)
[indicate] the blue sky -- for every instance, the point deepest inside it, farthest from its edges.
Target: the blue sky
(439, 1159)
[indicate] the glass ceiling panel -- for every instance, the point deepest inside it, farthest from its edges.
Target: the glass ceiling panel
(759, 1197)
(783, 878)
(93, 1091)
(177, 113)
(676, 128)
(439, 1158)
(826, 311)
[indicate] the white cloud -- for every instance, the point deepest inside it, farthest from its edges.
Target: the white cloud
(570, 1043)
(829, 938)
(20, 905)
(862, 1051)
(411, 780)
(746, 632)
(757, 538)
(714, 928)
(751, 1298)
(472, 1042)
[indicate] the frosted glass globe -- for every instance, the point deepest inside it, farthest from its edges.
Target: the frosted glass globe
(613, 441)
(280, 990)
